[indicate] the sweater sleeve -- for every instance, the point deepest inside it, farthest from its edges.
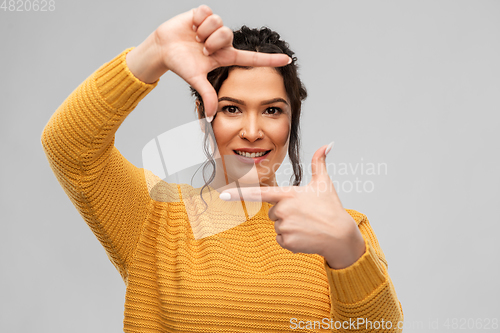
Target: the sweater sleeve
(108, 191)
(362, 295)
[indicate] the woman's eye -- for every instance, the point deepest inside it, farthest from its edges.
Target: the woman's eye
(274, 111)
(230, 108)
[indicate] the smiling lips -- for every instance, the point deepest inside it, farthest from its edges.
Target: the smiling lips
(251, 152)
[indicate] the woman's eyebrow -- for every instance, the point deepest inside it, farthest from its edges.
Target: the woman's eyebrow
(239, 101)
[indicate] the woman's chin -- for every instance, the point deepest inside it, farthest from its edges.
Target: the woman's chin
(249, 180)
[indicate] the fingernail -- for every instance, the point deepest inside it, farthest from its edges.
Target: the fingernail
(205, 51)
(225, 196)
(209, 119)
(197, 39)
(194, 27)
(328, 148)
(289, 61)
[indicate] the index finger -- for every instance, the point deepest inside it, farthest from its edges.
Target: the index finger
(208, 95)
(271, 194)
(259, 59)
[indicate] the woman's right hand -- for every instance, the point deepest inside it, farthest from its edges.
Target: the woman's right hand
(191, 45)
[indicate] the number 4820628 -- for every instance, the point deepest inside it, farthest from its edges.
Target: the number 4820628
(28, 5)
(471, 323)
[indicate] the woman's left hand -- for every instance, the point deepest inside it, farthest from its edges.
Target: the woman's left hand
(311, 219)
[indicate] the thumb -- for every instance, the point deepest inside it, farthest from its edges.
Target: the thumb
(208, 95)
(318, 164)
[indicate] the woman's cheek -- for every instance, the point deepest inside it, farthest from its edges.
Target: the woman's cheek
(223, 132)
(283, 134)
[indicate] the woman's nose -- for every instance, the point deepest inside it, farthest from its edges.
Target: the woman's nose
(252, 131)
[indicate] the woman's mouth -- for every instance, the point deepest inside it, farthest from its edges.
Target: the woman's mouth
(247, 157)
(252, 155)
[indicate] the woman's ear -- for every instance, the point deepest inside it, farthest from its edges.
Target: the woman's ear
(198, 108)
(201, 119)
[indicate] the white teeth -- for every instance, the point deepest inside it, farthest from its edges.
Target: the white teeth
(242, 153)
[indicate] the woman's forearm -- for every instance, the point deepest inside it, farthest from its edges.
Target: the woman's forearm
(108, 191)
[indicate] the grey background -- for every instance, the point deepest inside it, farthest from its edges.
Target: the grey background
(412, 84)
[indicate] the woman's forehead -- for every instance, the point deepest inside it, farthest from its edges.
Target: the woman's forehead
(254, 83)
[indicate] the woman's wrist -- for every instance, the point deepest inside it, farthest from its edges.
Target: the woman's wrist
(349, 252)
(145, 61)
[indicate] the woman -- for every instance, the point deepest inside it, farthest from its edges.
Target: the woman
(302, 262)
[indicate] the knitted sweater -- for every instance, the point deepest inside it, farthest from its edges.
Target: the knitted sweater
(239, 280)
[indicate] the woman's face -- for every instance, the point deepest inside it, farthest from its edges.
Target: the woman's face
(253, 116)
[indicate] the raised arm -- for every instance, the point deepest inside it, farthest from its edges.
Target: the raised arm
(108, 191)
(312, 219)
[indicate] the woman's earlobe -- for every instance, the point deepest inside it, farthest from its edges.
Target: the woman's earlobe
(198, 109)
(201, 120)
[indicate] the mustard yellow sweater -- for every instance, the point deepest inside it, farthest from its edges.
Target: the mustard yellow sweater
(239, 280)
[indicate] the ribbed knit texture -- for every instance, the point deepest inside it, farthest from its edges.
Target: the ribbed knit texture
(238, 280)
